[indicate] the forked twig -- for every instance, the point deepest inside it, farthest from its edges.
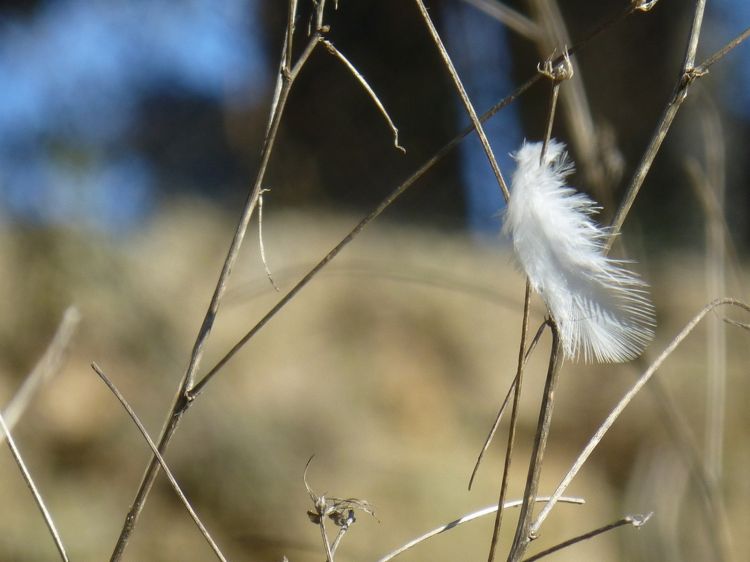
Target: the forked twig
(465, 519)
(49, 364)
(34, 491)
(623, 403)
(636, 521)
(373, 96)
(172, 480)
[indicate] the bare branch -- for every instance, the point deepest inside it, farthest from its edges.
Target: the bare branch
(465, 99)
(623, 403)
(724, 51)
(373, 96)
(34, 491)
(172, 480)
(465, 519)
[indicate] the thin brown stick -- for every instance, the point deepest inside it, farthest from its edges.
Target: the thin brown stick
(634, 520)
(465, 519)
(688, 73)
(623, 403)
(513, 423)
(34, 491)
(47, 367)
(182, 400)
(464, 98)
(172, 480)
(370, 92)
(524, 534)
(703, 67)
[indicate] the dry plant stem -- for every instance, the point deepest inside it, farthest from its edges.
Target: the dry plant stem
(46, 368)
(465, 519)
(623, 403)
(504, 405)
(524, 535)
(172, 480)
(634, 520)
(395, 194)
(373, 96)
(260, 242)
(182, 400)
(513, 423)
(32, 487)
(688, 73)
(326, 542)
(465, 99)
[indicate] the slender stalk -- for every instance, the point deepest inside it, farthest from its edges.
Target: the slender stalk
(504, 405)
(182, 400)
(634, 520)
(623, 403)
(34, 491)
(464, 98)
(524, 535)
(513, 423)
(688, 73)
(172, 480)
(49, 364)
(465, 519)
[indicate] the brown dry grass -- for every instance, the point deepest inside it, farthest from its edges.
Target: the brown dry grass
(389, 367)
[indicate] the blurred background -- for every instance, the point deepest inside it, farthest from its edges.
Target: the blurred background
(129, 134)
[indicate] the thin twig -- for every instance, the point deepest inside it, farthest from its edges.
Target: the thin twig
(518, 383)
(688, 73)
(504, 405)
(524, 534)
(373, 96)
(464, 98)
(724, 51)
(183, 398)
(46, 368)
(260, 241)
(623, 403)
(465, 519)
(172, 480)
(635, 520)
(34, 491)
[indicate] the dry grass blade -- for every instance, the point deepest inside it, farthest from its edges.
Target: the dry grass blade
(34, 491)
(46, 368)
(636, 521)
(180, 494)
(262, 246)
(465, 519)
(623, 403)
(361, 79)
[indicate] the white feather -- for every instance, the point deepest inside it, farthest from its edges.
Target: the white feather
(602, 310)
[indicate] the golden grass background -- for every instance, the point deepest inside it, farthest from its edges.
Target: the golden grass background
(389, 368)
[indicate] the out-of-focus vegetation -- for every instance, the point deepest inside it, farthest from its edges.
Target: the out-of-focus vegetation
(388, 368)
